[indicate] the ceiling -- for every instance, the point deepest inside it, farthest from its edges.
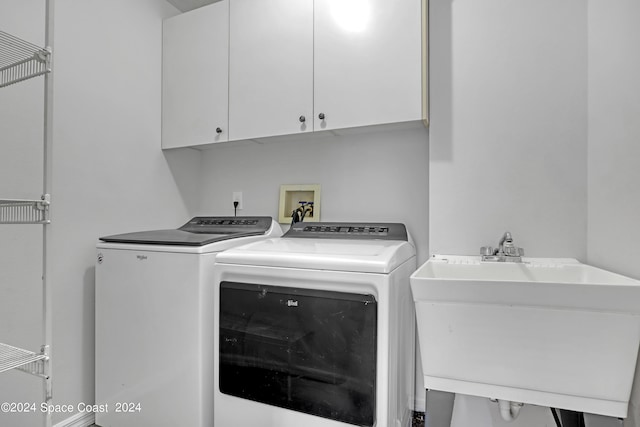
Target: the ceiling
(186, 5)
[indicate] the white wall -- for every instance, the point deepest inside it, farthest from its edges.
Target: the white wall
(365, 176)
(614, 135)
(614, 145)
(109, 173)
(508, 125)
(508, 139)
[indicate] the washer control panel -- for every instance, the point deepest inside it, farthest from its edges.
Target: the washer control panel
(199, 231)
(216, 224)
(353, 231)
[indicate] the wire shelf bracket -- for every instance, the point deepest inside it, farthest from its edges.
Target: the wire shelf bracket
(19, 211)
(24, 360)
(21, 60)
(37, 364)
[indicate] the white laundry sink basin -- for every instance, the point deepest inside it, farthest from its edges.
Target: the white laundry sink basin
(551, 332)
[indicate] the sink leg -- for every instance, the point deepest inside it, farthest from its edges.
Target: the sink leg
(439, 408)
(571, 418)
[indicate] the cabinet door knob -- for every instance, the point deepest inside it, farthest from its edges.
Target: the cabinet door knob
(218, 130)
(321, 116)
(302, 119)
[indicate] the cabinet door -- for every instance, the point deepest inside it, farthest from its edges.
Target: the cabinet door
(367, 62)
(195, 73)
(270, 68)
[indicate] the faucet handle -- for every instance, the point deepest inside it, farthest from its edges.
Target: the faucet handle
(486, 251)
(510, 250)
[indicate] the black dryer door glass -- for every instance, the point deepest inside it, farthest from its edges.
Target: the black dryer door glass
(311, 351)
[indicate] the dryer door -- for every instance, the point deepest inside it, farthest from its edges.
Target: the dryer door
(311, 351)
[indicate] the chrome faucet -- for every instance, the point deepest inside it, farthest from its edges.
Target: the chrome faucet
(505, 252)
(506, 238)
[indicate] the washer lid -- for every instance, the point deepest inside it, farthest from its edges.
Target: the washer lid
(365, 256)
(199, 231)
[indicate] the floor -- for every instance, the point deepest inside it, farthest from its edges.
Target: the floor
(418, 420)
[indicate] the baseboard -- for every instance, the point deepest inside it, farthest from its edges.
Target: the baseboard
(81, 419)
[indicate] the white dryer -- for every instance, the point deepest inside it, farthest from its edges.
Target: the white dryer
(155, 322)
(316, 328)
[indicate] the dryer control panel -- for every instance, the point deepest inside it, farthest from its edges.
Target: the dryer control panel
(352, 231)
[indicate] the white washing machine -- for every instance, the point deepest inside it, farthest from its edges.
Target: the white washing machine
(316, 328)
(155, 321)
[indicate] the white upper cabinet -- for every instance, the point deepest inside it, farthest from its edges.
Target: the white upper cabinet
(367, 62)
(270, 68)
(195, 77)
(246, 69)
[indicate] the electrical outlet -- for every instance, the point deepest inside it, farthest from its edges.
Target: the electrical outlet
(237, 197)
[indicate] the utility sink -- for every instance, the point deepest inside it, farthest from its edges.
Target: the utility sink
(550, 332)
